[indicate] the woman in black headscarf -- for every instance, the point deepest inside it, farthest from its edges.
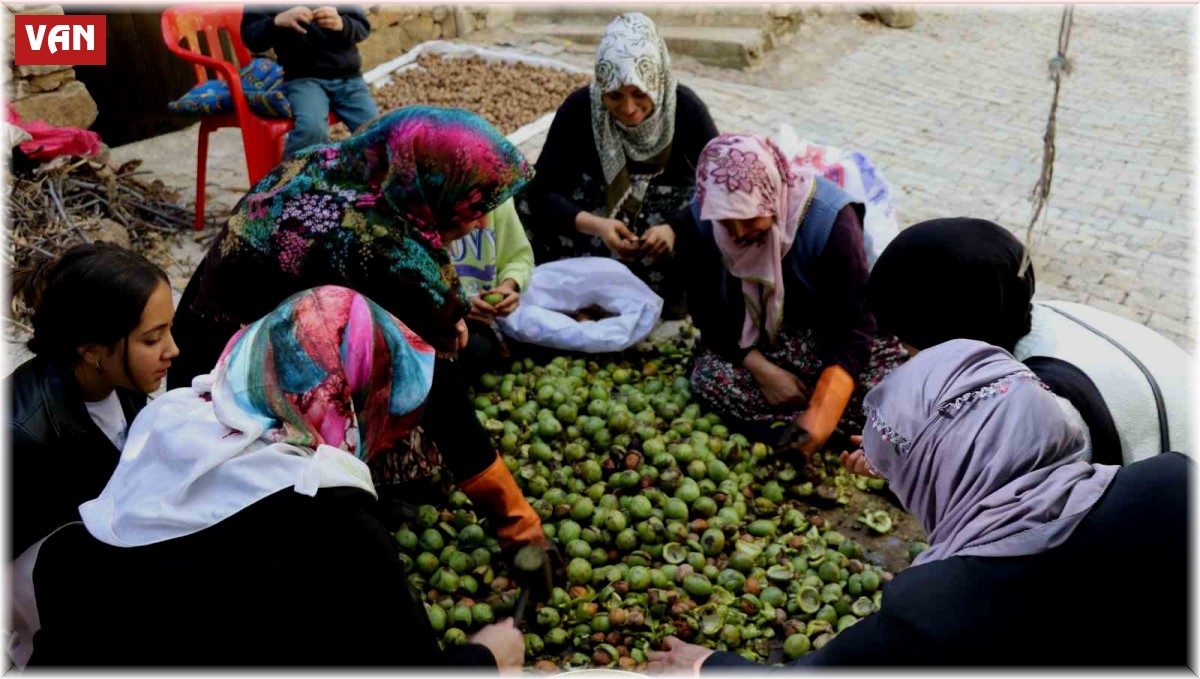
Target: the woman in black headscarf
(962, 278)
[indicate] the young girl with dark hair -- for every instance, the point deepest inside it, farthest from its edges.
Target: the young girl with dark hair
(102, 339)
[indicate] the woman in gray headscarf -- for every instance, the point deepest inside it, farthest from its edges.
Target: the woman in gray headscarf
(1023, 530)
(619, 163)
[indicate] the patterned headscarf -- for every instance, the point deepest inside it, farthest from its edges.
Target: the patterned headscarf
(631, 52)
(328, 367)
(981, 452)
(366, 213)
(743, 177)
(302, 399)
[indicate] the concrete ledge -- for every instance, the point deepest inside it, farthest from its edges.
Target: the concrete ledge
(716, 46)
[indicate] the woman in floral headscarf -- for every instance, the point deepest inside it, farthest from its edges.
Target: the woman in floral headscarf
(1022, 528)
(775, 282)
(373, 213)
(619, 161)
(238, 527)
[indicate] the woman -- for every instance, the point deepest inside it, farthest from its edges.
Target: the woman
(237, 528)
(102, 338)
(776, 279)
(951, 278)
(373, 213)
(620, 194)
(1022, 530)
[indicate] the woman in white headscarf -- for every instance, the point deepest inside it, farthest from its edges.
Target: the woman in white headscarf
(1026, 535)
(618, 166)
(241, 525)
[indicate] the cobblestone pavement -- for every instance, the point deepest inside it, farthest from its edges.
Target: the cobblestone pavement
(954, 109)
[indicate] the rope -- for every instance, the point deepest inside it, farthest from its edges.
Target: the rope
(1059, 66)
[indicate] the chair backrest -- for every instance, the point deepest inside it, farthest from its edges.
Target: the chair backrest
(214, 31)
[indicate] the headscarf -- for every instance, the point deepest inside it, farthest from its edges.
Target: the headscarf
(366, 213)
(631, 52)
(981, 453)
(743, 177)
(302, 398)
(952, 278)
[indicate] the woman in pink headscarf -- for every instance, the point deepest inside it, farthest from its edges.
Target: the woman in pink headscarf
(777, 280)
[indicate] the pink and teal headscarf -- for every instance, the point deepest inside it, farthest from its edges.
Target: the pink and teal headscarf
(367, 213)
(302, 399)
(329, 367)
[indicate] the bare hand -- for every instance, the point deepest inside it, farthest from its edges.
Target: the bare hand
(677, 656)
(782, 388)
(658, 241)
(856, 462)
(328, 18)
(512, 298)
(616, 236)
(463, 333)
(481, 311)
(505, 642)
(295, 18)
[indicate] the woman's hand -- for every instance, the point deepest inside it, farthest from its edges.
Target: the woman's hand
(781, 388)
(615, 235)
(856, 462)
(463, 333)
(677, 656)
(505, 642)
(658, 241)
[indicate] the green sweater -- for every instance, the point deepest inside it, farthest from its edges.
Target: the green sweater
(487, 257)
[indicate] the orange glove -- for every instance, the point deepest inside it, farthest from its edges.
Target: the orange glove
(826, 406)
(495, 493)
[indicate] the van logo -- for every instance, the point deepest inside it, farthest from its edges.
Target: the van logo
(60, 40)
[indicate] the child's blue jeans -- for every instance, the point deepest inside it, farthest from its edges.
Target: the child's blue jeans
(313, 98)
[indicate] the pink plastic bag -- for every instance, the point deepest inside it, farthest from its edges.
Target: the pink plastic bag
(50, 142)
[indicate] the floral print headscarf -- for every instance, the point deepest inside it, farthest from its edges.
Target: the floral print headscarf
(367, 213)
(743, 177)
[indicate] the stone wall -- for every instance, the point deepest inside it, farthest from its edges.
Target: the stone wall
(49, 93)
(395, 29)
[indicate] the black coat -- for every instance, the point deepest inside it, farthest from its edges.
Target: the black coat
(317, 53)
(290, 580)
(60, 458)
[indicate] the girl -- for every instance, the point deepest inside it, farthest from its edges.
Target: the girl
(102, 338)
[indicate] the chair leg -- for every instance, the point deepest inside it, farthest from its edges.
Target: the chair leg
(201, 175)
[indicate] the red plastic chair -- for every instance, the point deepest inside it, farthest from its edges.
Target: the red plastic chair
(263, 138)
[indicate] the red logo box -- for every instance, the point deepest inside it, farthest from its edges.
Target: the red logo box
(42, 40)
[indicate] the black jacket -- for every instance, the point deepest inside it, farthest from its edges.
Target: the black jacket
(570, 152)
(317, 53)
(60, 458)
(290, 580)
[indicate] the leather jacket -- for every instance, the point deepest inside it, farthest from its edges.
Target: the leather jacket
(60, 458)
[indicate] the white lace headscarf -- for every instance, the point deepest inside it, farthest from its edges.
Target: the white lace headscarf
(632, 52)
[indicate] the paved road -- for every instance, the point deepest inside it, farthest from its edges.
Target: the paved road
(954, 111)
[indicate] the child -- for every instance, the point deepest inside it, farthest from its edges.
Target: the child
(494, 264)
(322, 69)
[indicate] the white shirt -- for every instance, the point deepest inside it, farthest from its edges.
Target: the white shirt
(108, 415)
